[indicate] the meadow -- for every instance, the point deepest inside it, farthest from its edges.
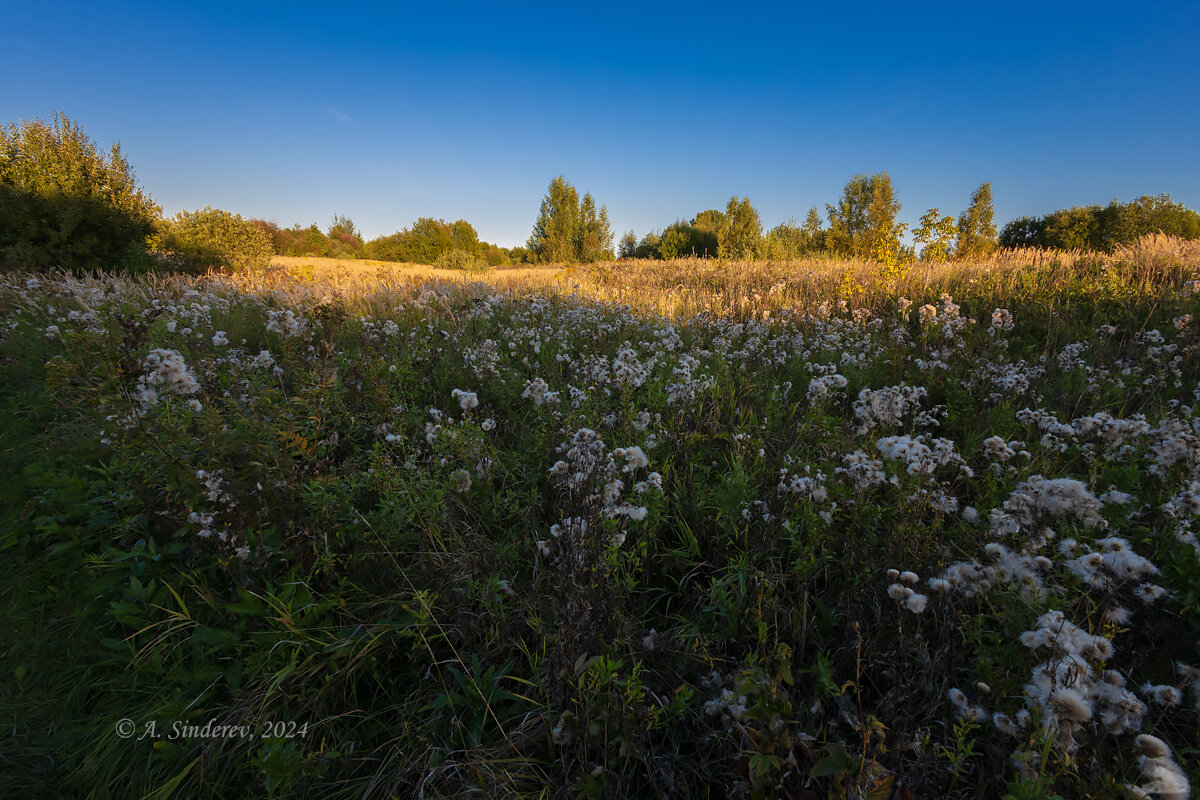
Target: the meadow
(670, 529)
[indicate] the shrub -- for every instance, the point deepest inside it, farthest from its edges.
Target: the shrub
(460, 259)
(65, 203)
(215, 238)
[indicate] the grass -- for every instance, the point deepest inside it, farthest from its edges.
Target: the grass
(362, 545)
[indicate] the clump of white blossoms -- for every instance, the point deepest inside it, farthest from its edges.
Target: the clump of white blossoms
(1065, 686)
(285, 323)
(1040, 496)
(165, 371)
(887, 406)
(539, 392)
(1002, 321)
(1162, 777)
(825, 385)
(466, 400)
(902, 592)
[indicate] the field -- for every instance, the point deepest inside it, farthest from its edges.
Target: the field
(683, 529)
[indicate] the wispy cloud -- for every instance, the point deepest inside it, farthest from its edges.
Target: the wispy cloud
(341, 116)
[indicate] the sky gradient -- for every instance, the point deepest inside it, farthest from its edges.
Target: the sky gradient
(296, 112)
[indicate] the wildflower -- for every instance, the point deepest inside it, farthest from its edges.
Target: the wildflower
(466, 400)
(461, 480)
(488, 424)
(219, 339)
(1149, 593)
(1163, 694)
(916, 602)
(1162, 777)
(535, 390)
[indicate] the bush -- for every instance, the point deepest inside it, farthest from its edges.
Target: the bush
(460, 259)
(215, 238)
(65, 203)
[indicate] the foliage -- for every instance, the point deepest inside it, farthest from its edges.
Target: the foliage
(740, 235)
(428, 239)
(345, 240)
(977, 226)
(863, 224)
(1103, 227)
(936, 233)
(460, 259)
(567, 230)
(212, 238)
(65, 203)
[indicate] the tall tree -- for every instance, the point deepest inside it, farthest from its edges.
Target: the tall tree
(554, 234)
(812, 236)
(593, 239)
(883, 231)
(863, 223)
(740, 235)
(977, 226)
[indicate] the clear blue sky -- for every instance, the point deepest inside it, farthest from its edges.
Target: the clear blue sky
(297, 111)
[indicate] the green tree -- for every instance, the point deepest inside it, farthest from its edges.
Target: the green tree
(812, 234)
(554, 234)
(936, 233)
(710, 221)
(977, 226)
(785, 241)
(345, 241)
(212, 238)
(593, 240)
(1022, 232)
(1075, 228)
(65, 203)
(740, 235)
(628, 245)
(863, 223)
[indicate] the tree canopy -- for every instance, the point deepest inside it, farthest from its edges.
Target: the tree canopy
(63, 202)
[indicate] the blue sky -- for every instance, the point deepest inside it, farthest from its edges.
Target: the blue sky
(296, 112)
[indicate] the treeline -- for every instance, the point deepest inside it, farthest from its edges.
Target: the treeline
(426, 241)
(1103, 228)
(63, 202)
(863, 224)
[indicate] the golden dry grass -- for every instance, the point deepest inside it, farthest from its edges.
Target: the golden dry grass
(755, 288)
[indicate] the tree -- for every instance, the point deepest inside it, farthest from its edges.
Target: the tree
(863, 224)
(554, 234)
(593, 240)
(344, 239)
(785, 241)
(936, 233)
(977, 226)
(1075, 228)
(710, 221)
(812, 236)
(65, 203)
(1022, 232)
(740, 235)
(628, 245)
(212, 238)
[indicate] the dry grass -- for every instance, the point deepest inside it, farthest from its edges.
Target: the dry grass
(758, 288)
